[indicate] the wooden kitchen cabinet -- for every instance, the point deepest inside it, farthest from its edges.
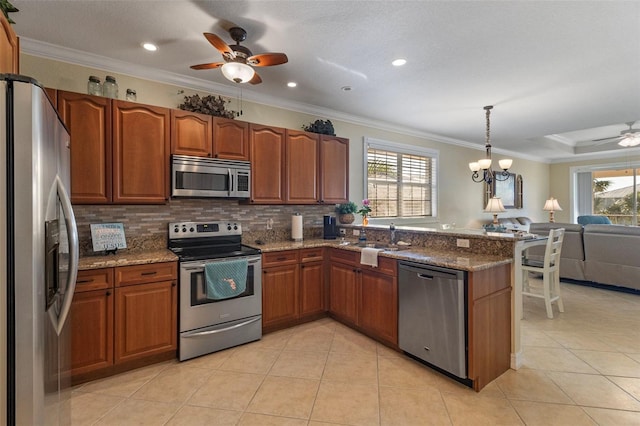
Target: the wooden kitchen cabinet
(267, 150)
(91, 321)
(312, 282)
(140, 153)
(146, 320)
(191, 133)
(9, 48)
(365, 297)
(203, 135)
(122, 318)
(302, 168)
(378, 304)
(230, 139)
(334, 170)
(88, 119)
(280, 284)
(119, 150)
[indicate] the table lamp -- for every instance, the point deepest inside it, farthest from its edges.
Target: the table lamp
(550, 206)
(495, 206)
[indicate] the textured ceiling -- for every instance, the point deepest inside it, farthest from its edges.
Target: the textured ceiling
(551, 69)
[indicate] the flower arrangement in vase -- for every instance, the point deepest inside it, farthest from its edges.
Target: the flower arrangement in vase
(364, 211)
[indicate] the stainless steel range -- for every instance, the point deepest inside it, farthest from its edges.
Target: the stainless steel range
(208, 325)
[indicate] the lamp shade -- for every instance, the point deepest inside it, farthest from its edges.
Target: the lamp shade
(552, 205)
(238, 72)
(495, 205)
(474, 167)
(505, 163)
(485, 163)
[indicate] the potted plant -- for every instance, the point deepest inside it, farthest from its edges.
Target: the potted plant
(345, 212)
(211, 105)
(324, 127)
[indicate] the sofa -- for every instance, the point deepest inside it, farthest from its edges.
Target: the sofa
(602, 254)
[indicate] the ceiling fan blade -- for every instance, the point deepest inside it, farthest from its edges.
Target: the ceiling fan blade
(606, 139)
(267, 59)
(256, 79)
(207, 66)
(219, 44)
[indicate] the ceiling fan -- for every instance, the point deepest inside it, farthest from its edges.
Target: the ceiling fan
(238, 60)
(628, 137)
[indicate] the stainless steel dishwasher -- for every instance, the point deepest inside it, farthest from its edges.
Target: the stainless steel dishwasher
(432, 316)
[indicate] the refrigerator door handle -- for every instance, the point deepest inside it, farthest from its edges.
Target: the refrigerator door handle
(70, 220)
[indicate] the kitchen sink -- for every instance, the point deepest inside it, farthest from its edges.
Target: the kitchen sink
(387, 247)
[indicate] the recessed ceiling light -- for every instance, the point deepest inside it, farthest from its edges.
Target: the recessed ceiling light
(346, 88)
(292, 84)
(150, 47)
(399, 62)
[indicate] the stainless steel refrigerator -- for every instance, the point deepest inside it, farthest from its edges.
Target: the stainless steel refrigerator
(38, 257)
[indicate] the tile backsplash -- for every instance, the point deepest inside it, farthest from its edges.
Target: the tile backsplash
(146, 226)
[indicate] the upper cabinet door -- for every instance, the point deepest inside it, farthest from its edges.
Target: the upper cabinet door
(88, 119)
(334, 169)
(140, 153)
(302, 165)
(267, 148)
(9, 48)
(191, 133)
(230, 139)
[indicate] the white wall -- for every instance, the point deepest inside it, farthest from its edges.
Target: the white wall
(460, 200)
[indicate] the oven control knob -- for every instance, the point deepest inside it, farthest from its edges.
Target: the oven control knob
(191, 229)
(184, 229)
(176, 229)
(235, 227)
(228, 227)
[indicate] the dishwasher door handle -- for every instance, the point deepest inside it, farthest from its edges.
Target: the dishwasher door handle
(425, 277)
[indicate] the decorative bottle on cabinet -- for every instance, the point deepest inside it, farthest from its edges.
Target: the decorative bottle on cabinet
(93, 86)
(110, 87)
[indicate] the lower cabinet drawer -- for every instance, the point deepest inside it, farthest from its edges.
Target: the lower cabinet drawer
(140, 274)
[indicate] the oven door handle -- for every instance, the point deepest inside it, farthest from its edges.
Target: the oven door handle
(220, 330)
(200, 266)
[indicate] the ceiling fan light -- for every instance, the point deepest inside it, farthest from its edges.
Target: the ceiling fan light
(630, 140)
(238, 72)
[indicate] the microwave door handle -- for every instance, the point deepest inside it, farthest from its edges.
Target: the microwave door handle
(230, 181)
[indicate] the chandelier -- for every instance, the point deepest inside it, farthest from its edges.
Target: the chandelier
(488, 175)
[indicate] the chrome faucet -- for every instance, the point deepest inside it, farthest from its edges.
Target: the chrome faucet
(392, 234)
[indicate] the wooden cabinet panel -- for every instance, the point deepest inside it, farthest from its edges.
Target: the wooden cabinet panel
(94, 279)
(53, 96)
(140, 153)
(334, 169)
(230, 139)
(267, 149)
(312, 288)
(279, 294)
(343, 292)
(311, 254)
(378, 307)
(302, 167)
(9, 48)
(146, 320)
(278, 258)
(91, 331)
(191, 133)
(140, 274)
(88, 119)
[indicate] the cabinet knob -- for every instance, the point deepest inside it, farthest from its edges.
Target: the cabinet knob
(108, 293)
(173, 284)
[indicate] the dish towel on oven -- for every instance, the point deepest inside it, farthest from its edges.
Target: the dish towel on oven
(226, 279)
(369, 256)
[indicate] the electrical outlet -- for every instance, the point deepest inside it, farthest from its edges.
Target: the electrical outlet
(462, 243)
(356, 232)
(343, 232)
(269, 223)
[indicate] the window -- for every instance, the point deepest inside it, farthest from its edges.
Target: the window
(400, 180)
(608, 190)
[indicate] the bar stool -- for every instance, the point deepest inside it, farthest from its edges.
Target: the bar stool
(550, 270)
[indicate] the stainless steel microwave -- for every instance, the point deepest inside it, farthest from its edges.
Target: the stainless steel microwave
(209, 177)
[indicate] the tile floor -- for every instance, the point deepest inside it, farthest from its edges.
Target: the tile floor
(581, 368)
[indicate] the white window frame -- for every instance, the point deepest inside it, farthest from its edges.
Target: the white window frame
(410, 150)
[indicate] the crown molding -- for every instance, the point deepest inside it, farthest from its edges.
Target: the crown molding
(91, 60)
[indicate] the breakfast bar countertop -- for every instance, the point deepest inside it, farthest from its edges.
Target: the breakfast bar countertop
(448, 259)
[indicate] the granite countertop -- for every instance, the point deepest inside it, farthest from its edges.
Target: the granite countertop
(126, 259)
(448, 259)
